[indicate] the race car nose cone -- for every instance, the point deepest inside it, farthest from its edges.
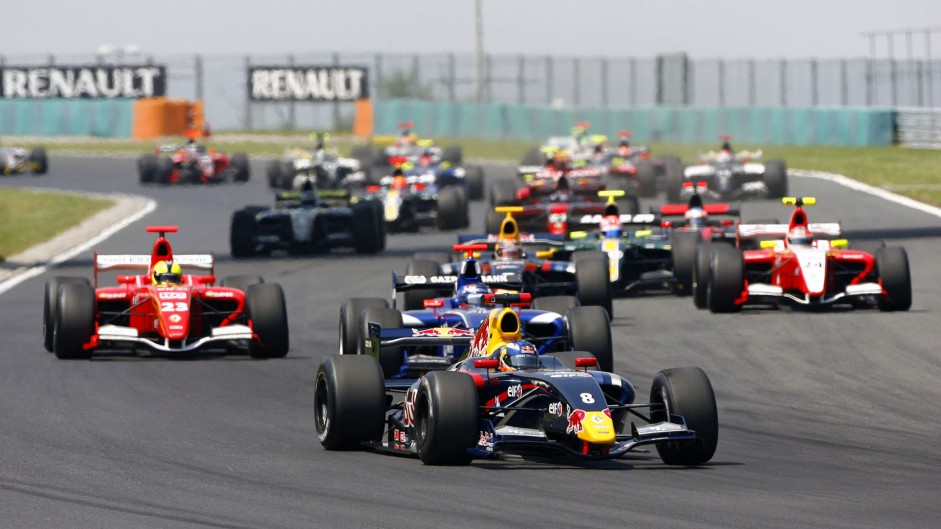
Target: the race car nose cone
(597, 428)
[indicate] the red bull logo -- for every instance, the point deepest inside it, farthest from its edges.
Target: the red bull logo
(442, 331)
(575, 422)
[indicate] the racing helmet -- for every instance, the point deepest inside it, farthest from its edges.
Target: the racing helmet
(398, 180)
(800, 236)
(167, 273)
(472, 294)
(518, 355)
(508, 249)
(696, 217)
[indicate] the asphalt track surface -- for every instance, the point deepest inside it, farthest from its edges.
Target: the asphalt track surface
(826, 419)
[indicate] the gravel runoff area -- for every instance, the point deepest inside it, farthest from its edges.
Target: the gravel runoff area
(124, 207)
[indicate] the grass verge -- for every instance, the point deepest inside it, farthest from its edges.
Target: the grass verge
(29, 217)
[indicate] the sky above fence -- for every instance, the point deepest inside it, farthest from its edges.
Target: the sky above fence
(704, 29)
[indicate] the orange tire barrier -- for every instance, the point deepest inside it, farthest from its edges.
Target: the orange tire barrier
(159, 116)
(363, 119)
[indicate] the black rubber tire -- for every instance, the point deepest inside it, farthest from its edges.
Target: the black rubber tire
(265, 307)
(349, 402)
(446, 418)
(646, 178)
(556, 304)
(390, 358)
(726, 279)
(367, 231)
(683, 255)
(503, 192)
(242, 233)
(38, 156)
(475, 182)
(895, 275)
(350, 313)
(451, 208)
(287, 175)
(701, 274)
(589, 330)
(414, 299)
(775, 178)
(51, 304)
(673, 181)
(568, 358)
(465, 209)
(242, 168)
(74, 321)
(628, 204)
(687, 392)
(147, 168)
(533, 156)
(592, 281)
(164, 169)
(241, 282)
(453, 155)
(492, 222)
(868, 246)
(273, 174)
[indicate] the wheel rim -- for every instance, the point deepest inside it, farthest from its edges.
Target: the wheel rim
(421, 421)
(322, 407)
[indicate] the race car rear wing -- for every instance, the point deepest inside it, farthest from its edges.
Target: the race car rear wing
(446, 282)
(822, 230)
(642, 219)
(679, 210)
(106, 262)
(529, 238)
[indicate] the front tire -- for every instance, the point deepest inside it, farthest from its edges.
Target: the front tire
(686, 392)
(726, 279)
(896, 279)
(589, 330)
(349, 402)
(446, 418)
(51, 304)
(74, 321)
(591, 280)
(701, 274)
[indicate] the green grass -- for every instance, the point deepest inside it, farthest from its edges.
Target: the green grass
(30, 217)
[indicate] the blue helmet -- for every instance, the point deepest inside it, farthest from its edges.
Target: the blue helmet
(518, 355)
(472, 294)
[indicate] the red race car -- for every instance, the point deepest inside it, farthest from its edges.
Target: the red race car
(191, 163)
(805, 264)
(163, 310)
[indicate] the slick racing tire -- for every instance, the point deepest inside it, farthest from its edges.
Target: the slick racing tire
(701, 274)
(51, 304)
(74, 321)
(242, 233)
(453, 155)
(390, 358)
(350, 313)
(492, 222)
(475, 182)
(241, 166)
(568, 358)
(673, 180)
(646, 178)
(686, 392)
(683, 254)
(533, 156)
(265, 308)
(40, 160)
(557, 304)
(503, 192)
(147, 168)
(451, 208)
(241, 282)
(775, 178)
(367, 232)
(415, 299)
(589, 330)
(349, 402)
(446, 418)
(273, 174)
(164, 169)
(726, 279)
(892, 268)
(591, 281)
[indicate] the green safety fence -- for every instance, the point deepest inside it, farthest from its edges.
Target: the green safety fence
(841, 126)
(106, 118)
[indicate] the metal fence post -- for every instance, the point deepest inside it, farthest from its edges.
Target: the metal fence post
(292, 109)
(604, 82)
(377, 82)
(416, 78)
(752, 84)
(336, 104)
(844, 82)
(198, 76)
(521, 79)
(452, 73)
(248, 97)
(576, 82)
(930, 71)
(489, 78)
(721, 76)
(919, 81)
(892, 72)
(783, 79)
(632, 87)
(549, 93)
(814, 95)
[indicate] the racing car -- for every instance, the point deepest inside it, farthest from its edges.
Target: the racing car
(17, 160)
(410, 201)
(805, 264)
(325, 164)
(503, 397)
(303, 222)
(731, 175)
(191, 163)
(403, 341)
(163, 310)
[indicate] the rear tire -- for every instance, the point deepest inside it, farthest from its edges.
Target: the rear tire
(273, 174)
(350, 314)
(451, 208)
(415, 299)
(683, 253)
(475, 182)
(164, 169)
(242, 233)
(726, 279)
(390, 358)
(51, 304)
(40, 160)
(895, 275)
(239, 162)
(265, 307)
(673, 180)
(646, 178)
(590, 331)
(367, 231)
(74, 321)
(446, 418)
(686, 392)
(592, 282)
(533, 156)
(503, 192)
(701, 274)
(775, 178)
(147, 168)
(349, 402)
(453, 155)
